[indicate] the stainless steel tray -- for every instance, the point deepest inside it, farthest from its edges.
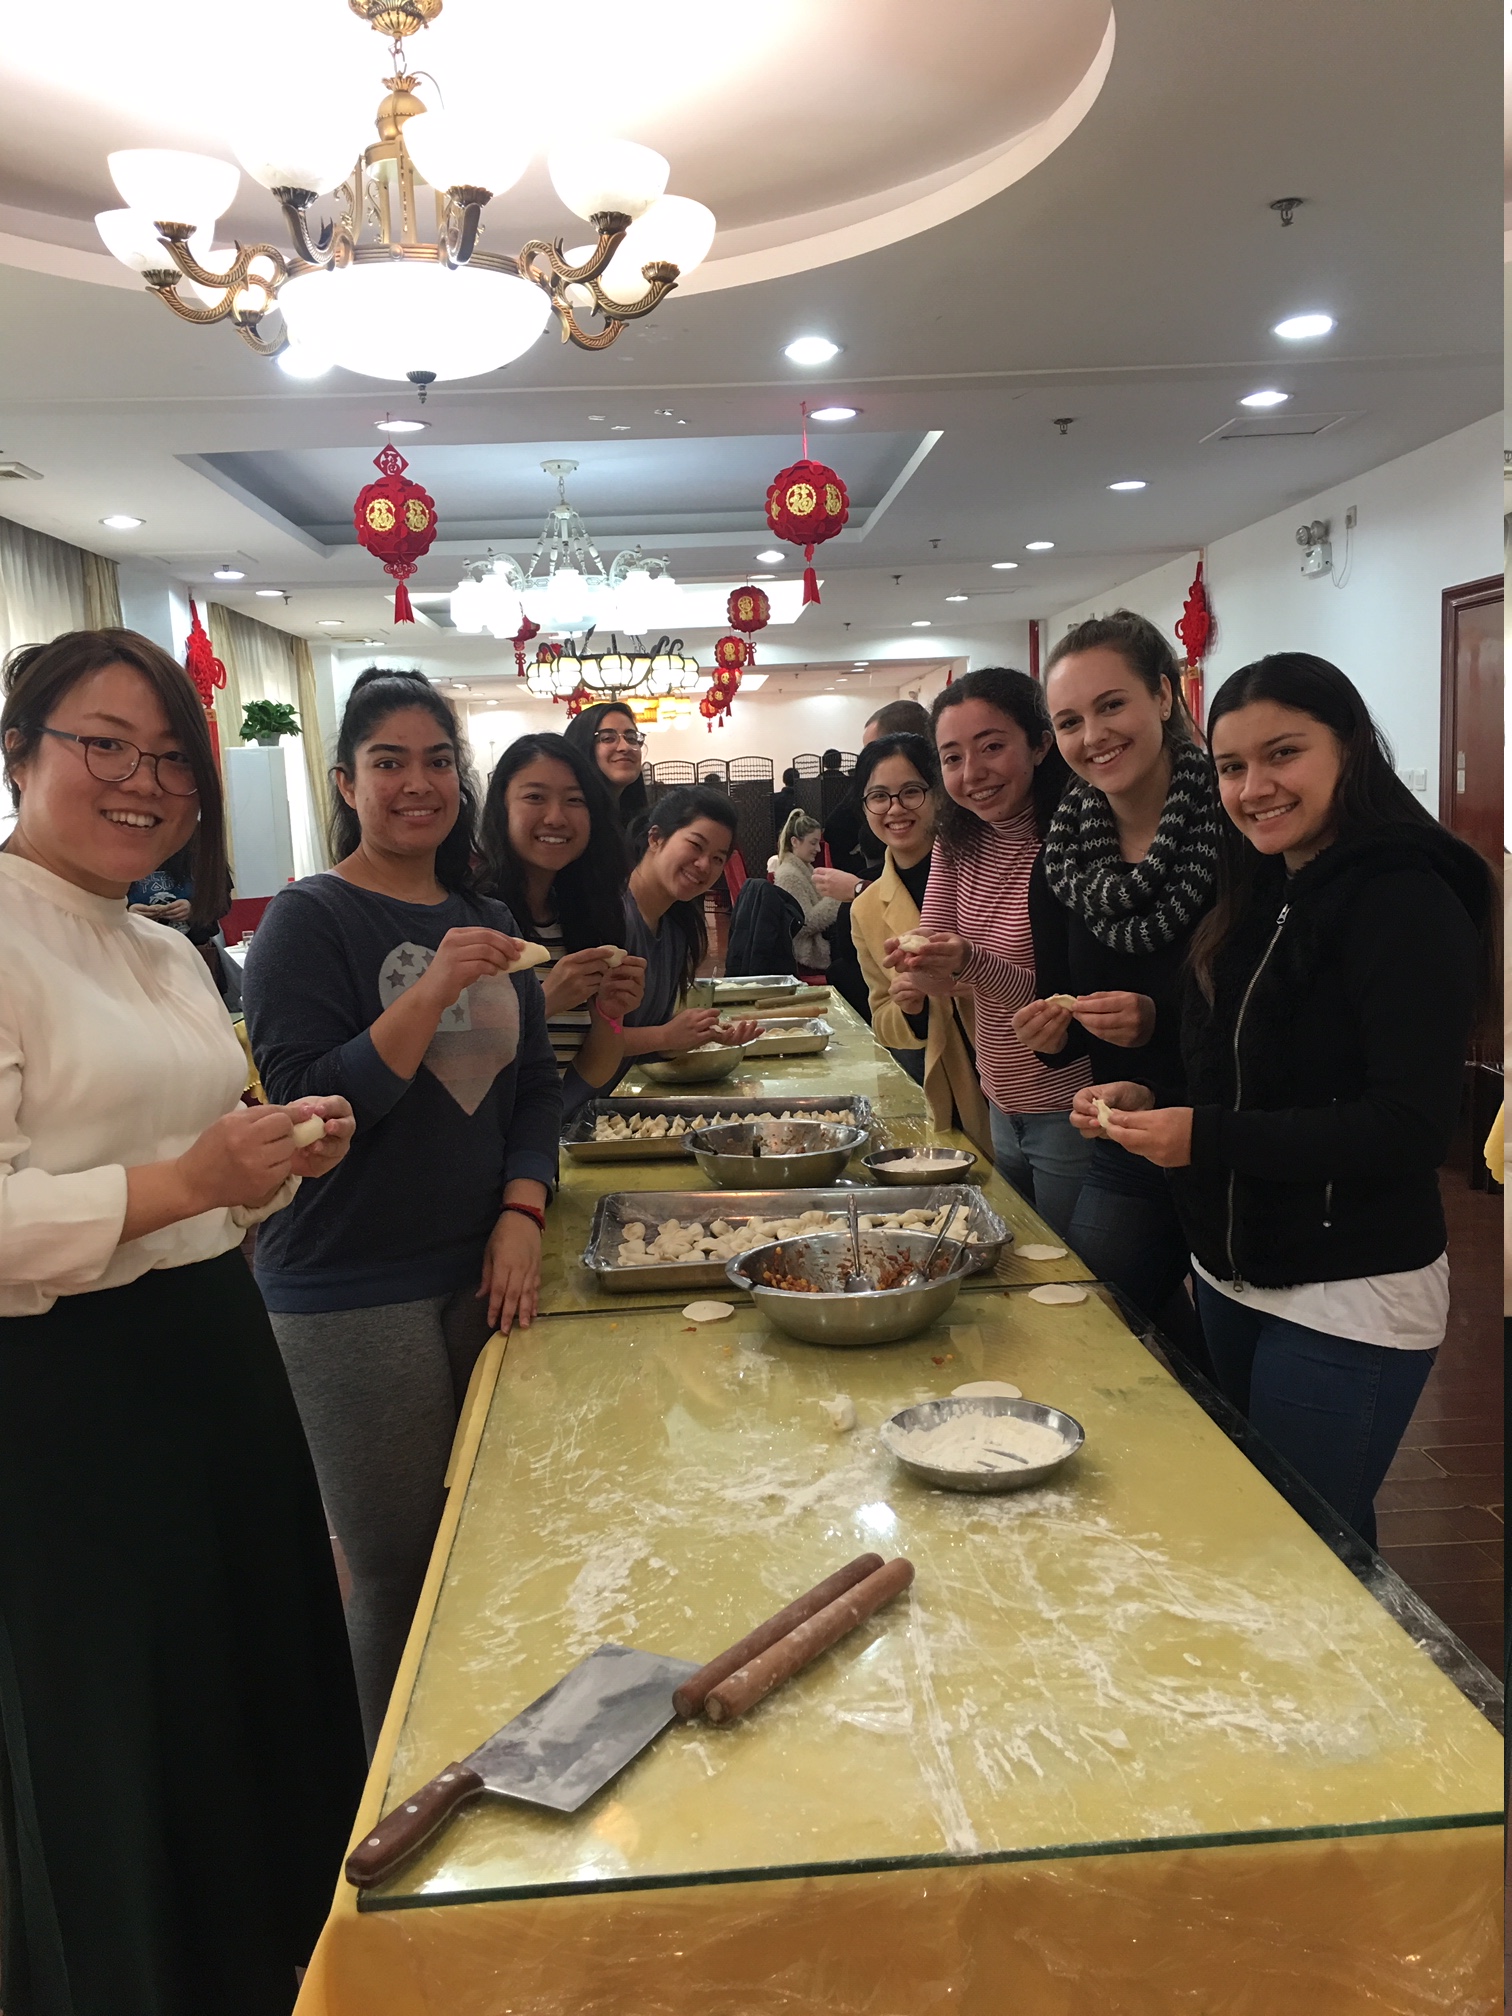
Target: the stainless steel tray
(790, 1039)
(654, 1207)
(578, 1141)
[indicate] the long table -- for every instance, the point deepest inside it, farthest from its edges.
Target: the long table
(1136, 1741)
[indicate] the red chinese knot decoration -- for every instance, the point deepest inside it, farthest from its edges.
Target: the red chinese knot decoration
(396, 522)
(806, 504)
(1195, 632)
(520, 639)
(205, 669)
(732, 654)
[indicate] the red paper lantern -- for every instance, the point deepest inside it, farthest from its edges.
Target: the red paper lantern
(732, 654)
(806, 504)
(749, 609)
(396, 522)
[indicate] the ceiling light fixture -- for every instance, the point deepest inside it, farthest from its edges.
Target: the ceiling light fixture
(811, 350)
(1297, 328)
(273, 594)
(366, 290)
(771, 559)
(860, 664)
(834, 413)
(387, 426)
(1039, 546)
(598, 416)
(122, 521)
(919, 623)
(460, 686)
(1267, 398)
(955, 598)
(1003, 566)
(230, 573)
(1128, 483)
(331, 622)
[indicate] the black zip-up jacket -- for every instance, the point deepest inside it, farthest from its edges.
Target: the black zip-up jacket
(1325, 1075)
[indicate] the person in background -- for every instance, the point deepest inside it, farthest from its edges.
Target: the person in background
(387, 979)
(713, 781)
(555, 858)
(175, 1670)
(785, 801)
(898, 782)
(680, 850)
(1337, 980)
(1003, 776)
(1129, 870)
(832, 759)
(847, 832)
(167, 894)
(898, 717)
(608, 735)
(797, 851)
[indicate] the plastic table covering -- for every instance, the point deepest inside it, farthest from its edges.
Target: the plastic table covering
(1135, 1742)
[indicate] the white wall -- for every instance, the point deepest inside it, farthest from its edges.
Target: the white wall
(1426, 521)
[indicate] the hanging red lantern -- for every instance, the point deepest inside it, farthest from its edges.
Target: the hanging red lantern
(732, 654)
(520, 639)
(1195, 633)
(807, 504)
(579, 698)
(749, 609)
(205, 669)
(396, 522)
(709, 707)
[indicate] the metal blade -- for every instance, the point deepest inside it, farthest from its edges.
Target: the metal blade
(583, 1731)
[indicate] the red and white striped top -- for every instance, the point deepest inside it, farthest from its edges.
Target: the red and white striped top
(983, 896)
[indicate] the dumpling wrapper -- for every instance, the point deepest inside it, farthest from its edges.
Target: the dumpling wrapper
(1058, 1291)
(914, 941)
(307, 1132)
(987, 1389)
(1061, 1000)
(531, 954)
(1103, 1110)
(1037, 1252)
(709, 1312)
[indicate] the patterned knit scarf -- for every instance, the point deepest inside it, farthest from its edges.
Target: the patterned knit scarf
(1143, 905)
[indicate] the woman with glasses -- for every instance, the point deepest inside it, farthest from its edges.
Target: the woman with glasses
(897, 785)
(174, 1658)
(608, 736)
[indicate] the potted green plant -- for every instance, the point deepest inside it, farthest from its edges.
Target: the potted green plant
(265, 720)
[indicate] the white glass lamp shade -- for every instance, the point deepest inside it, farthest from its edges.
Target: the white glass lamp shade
(596, 176)
(567, 600)
(467, 607)
(634, 601)
(133, 239)
(498, 605)
(173, 187)
(387, 320)
(455, 151)
(302, 146)
(674, 229)
(298, 362)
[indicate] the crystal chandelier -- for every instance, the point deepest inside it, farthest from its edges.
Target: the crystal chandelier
(369, 290)
(566, 587)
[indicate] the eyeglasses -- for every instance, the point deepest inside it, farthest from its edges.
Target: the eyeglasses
(631, 735)
(911, 797)
(112, 761)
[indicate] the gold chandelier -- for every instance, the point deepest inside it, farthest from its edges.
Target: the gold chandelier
(373, 289)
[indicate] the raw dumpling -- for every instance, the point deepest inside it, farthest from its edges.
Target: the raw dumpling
(308, 1131)
(1103, 1110)
(841, 1411)
(1061, 1000)
(914, 941)
(531, 954)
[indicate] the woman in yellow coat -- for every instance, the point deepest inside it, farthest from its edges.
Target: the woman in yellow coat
(897, 782)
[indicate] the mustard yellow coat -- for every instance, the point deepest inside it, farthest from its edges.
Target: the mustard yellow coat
(886, 910)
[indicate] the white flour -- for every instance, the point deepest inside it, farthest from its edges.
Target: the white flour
(968, 1442)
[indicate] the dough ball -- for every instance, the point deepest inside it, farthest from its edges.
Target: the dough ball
(1039, 1252)
(307, 1131)
(617, 955)
(708, 1312)
(841, 1411)
(1058, 1291)
(987, 1389)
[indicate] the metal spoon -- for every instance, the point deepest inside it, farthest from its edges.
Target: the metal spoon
(856, 1282)
(919, 1275)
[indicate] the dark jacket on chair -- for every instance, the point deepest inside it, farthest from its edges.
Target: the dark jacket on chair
(762, 928)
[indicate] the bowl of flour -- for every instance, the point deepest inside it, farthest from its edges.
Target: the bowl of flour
(982, 1444)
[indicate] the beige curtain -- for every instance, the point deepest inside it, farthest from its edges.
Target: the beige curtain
(47, 586)
(317, 757)
(264, 664)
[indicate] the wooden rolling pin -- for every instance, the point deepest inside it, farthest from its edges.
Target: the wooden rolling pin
(753, 1682)
(690, 1697)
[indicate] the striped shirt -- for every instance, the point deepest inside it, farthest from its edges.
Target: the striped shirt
(569, 1027)
(983, 896)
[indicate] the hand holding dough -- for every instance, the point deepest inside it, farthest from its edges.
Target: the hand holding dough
(1060, 1000)
(914, 941)
(307, 1132)
(617, 955)
(1103, 1110)
(531, 954)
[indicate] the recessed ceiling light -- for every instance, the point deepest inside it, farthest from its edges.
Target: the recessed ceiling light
(301, 363)
(1267, 398)
(811, 350)
(833, 413)
(620, 427)
(273, 594)
(955, 598)
(1297, 327)
(1003, 566)
(492, 703)
(598, 416)
(460, 686)
(122, 521)
(1128, 483)
(330, 622)
(662, 412)
(400, 426)
(229, 573)
(920, 623)
(771, 559)
(1039, 546)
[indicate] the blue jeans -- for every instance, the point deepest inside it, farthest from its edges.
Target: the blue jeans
(1126, 1229)
(1334, 1408)
(1044, 1158)
(912, 1062)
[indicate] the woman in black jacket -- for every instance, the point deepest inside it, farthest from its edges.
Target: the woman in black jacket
(1336, 982)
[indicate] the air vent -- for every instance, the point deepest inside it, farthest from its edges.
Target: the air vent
(1265, 426)
(17, 472)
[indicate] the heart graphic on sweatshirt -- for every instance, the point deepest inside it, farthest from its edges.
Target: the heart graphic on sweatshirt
(478, 1036)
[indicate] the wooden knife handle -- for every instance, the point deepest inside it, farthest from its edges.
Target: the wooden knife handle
(690, 1697)
(791, 1654)
(399, 1833)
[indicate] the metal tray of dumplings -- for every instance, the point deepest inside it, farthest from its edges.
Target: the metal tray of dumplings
(655, 1207)
(789, 1039)
(578, 1141)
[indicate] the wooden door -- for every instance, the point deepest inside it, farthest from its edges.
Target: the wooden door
(1470, 717)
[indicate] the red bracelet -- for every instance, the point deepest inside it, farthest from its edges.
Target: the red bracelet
(537, 1218)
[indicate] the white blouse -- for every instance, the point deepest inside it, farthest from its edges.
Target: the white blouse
(115, 1050)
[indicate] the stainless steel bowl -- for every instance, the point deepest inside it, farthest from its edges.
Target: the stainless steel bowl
(929, 1413)
(793, 1154)
(953, 1167)
(696, 1067)
(877, 1316)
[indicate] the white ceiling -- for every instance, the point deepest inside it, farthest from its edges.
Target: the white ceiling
(1130, 280)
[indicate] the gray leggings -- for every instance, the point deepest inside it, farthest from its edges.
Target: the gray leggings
(379, 1392)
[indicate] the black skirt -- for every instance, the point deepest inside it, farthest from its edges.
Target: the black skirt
(180, 1749)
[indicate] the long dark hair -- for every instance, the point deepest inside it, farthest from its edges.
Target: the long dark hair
(668, 816)
(376, 694)
(1148, 656)
(580, 731)
(588, 893)
(1370, 798)
(37, 676)
(1022, 700)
